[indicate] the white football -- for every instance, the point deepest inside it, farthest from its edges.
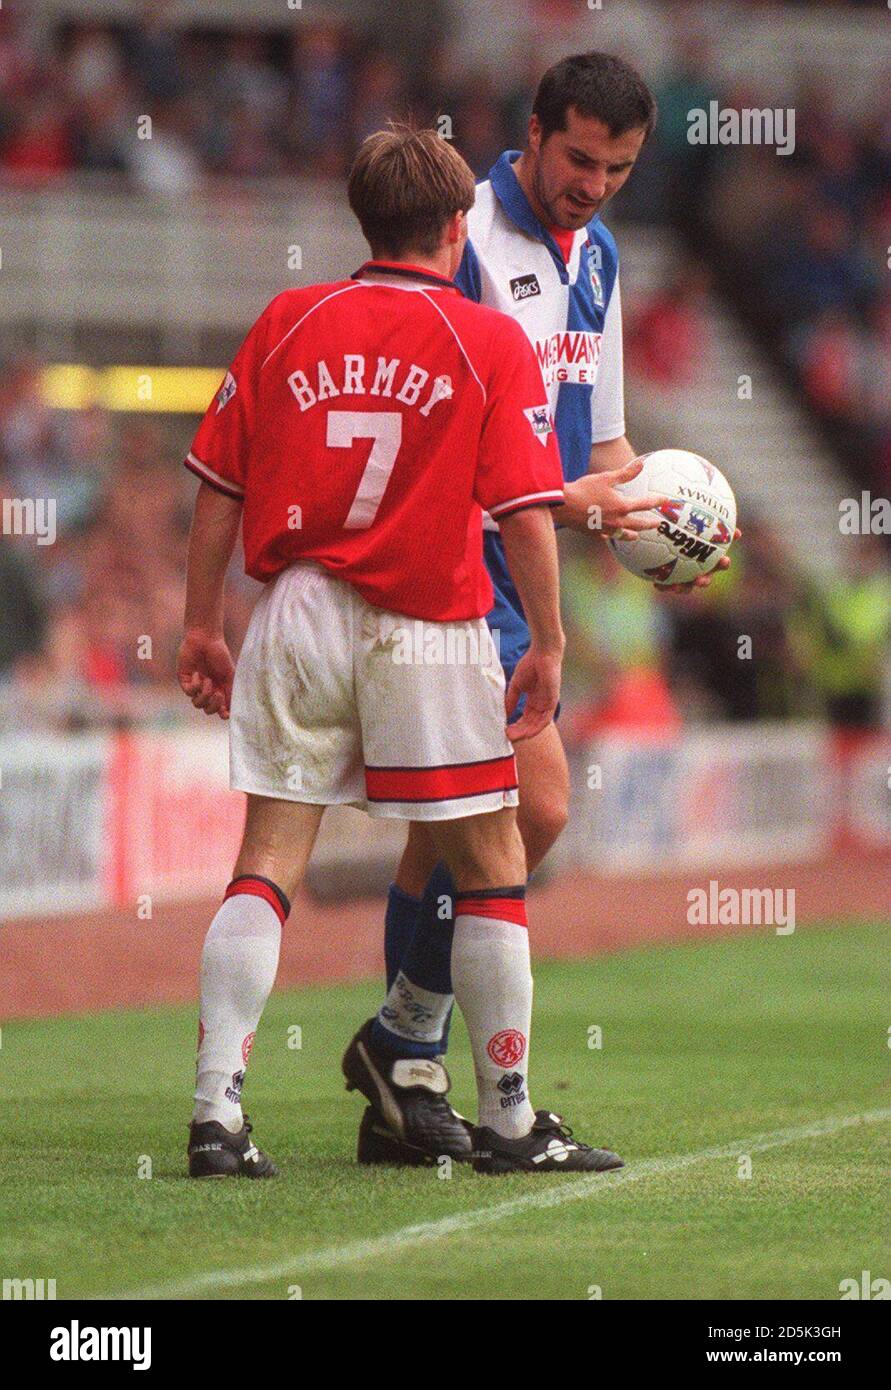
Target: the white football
(696, 524)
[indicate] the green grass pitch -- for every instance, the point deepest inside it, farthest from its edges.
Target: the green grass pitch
(703, 1046)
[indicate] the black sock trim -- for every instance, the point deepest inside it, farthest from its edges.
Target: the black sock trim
(517, 892)
(258, 878)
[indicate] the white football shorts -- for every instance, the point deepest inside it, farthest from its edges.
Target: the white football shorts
(336, 702)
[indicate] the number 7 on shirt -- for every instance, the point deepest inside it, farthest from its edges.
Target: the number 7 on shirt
(385, 428)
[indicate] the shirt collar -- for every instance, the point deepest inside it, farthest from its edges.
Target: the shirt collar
(406, 269)
(510, 195)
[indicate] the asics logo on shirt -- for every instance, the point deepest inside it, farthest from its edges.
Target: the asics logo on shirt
(524, 287)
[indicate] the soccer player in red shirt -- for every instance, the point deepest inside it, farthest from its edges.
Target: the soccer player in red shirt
(363, 428)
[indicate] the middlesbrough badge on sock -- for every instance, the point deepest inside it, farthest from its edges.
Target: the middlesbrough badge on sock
(506, 1048)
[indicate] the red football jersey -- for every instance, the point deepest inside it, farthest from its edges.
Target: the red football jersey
(367, 425)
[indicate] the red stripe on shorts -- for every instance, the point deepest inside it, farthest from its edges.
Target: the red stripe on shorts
(499, 909)
(441, 783)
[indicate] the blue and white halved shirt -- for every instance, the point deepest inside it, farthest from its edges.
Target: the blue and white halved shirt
(571, 313)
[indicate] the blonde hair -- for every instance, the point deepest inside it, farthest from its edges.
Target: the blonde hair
(405, 185)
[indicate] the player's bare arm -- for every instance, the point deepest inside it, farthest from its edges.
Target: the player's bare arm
(531, 549)
(204, 665)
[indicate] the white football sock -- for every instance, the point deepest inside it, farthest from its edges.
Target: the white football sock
(493, 987)
(238, 969)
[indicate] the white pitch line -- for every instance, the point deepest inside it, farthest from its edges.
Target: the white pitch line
(573, 1190)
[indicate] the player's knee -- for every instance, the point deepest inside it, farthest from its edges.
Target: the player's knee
(419, 859)
(494, 861)
(542, 823)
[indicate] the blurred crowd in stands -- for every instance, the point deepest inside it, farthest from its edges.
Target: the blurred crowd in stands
(89, 626)
(246, 104)
(800, 241)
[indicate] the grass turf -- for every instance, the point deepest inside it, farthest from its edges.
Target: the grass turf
(702, 1045)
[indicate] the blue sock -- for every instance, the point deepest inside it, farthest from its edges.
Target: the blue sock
(425, 962)
(432, 939)
(399, 927)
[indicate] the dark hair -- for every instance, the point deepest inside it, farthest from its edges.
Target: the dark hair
(599, 85)
(405, 185)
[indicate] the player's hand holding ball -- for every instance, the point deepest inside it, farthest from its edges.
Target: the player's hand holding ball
(695, 521)
(205, 670)
(600, 503)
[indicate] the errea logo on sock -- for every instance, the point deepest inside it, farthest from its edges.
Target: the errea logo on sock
(76, 1343)
(512, 1088)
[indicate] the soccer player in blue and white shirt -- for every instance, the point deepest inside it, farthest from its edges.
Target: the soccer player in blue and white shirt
(539, 252)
